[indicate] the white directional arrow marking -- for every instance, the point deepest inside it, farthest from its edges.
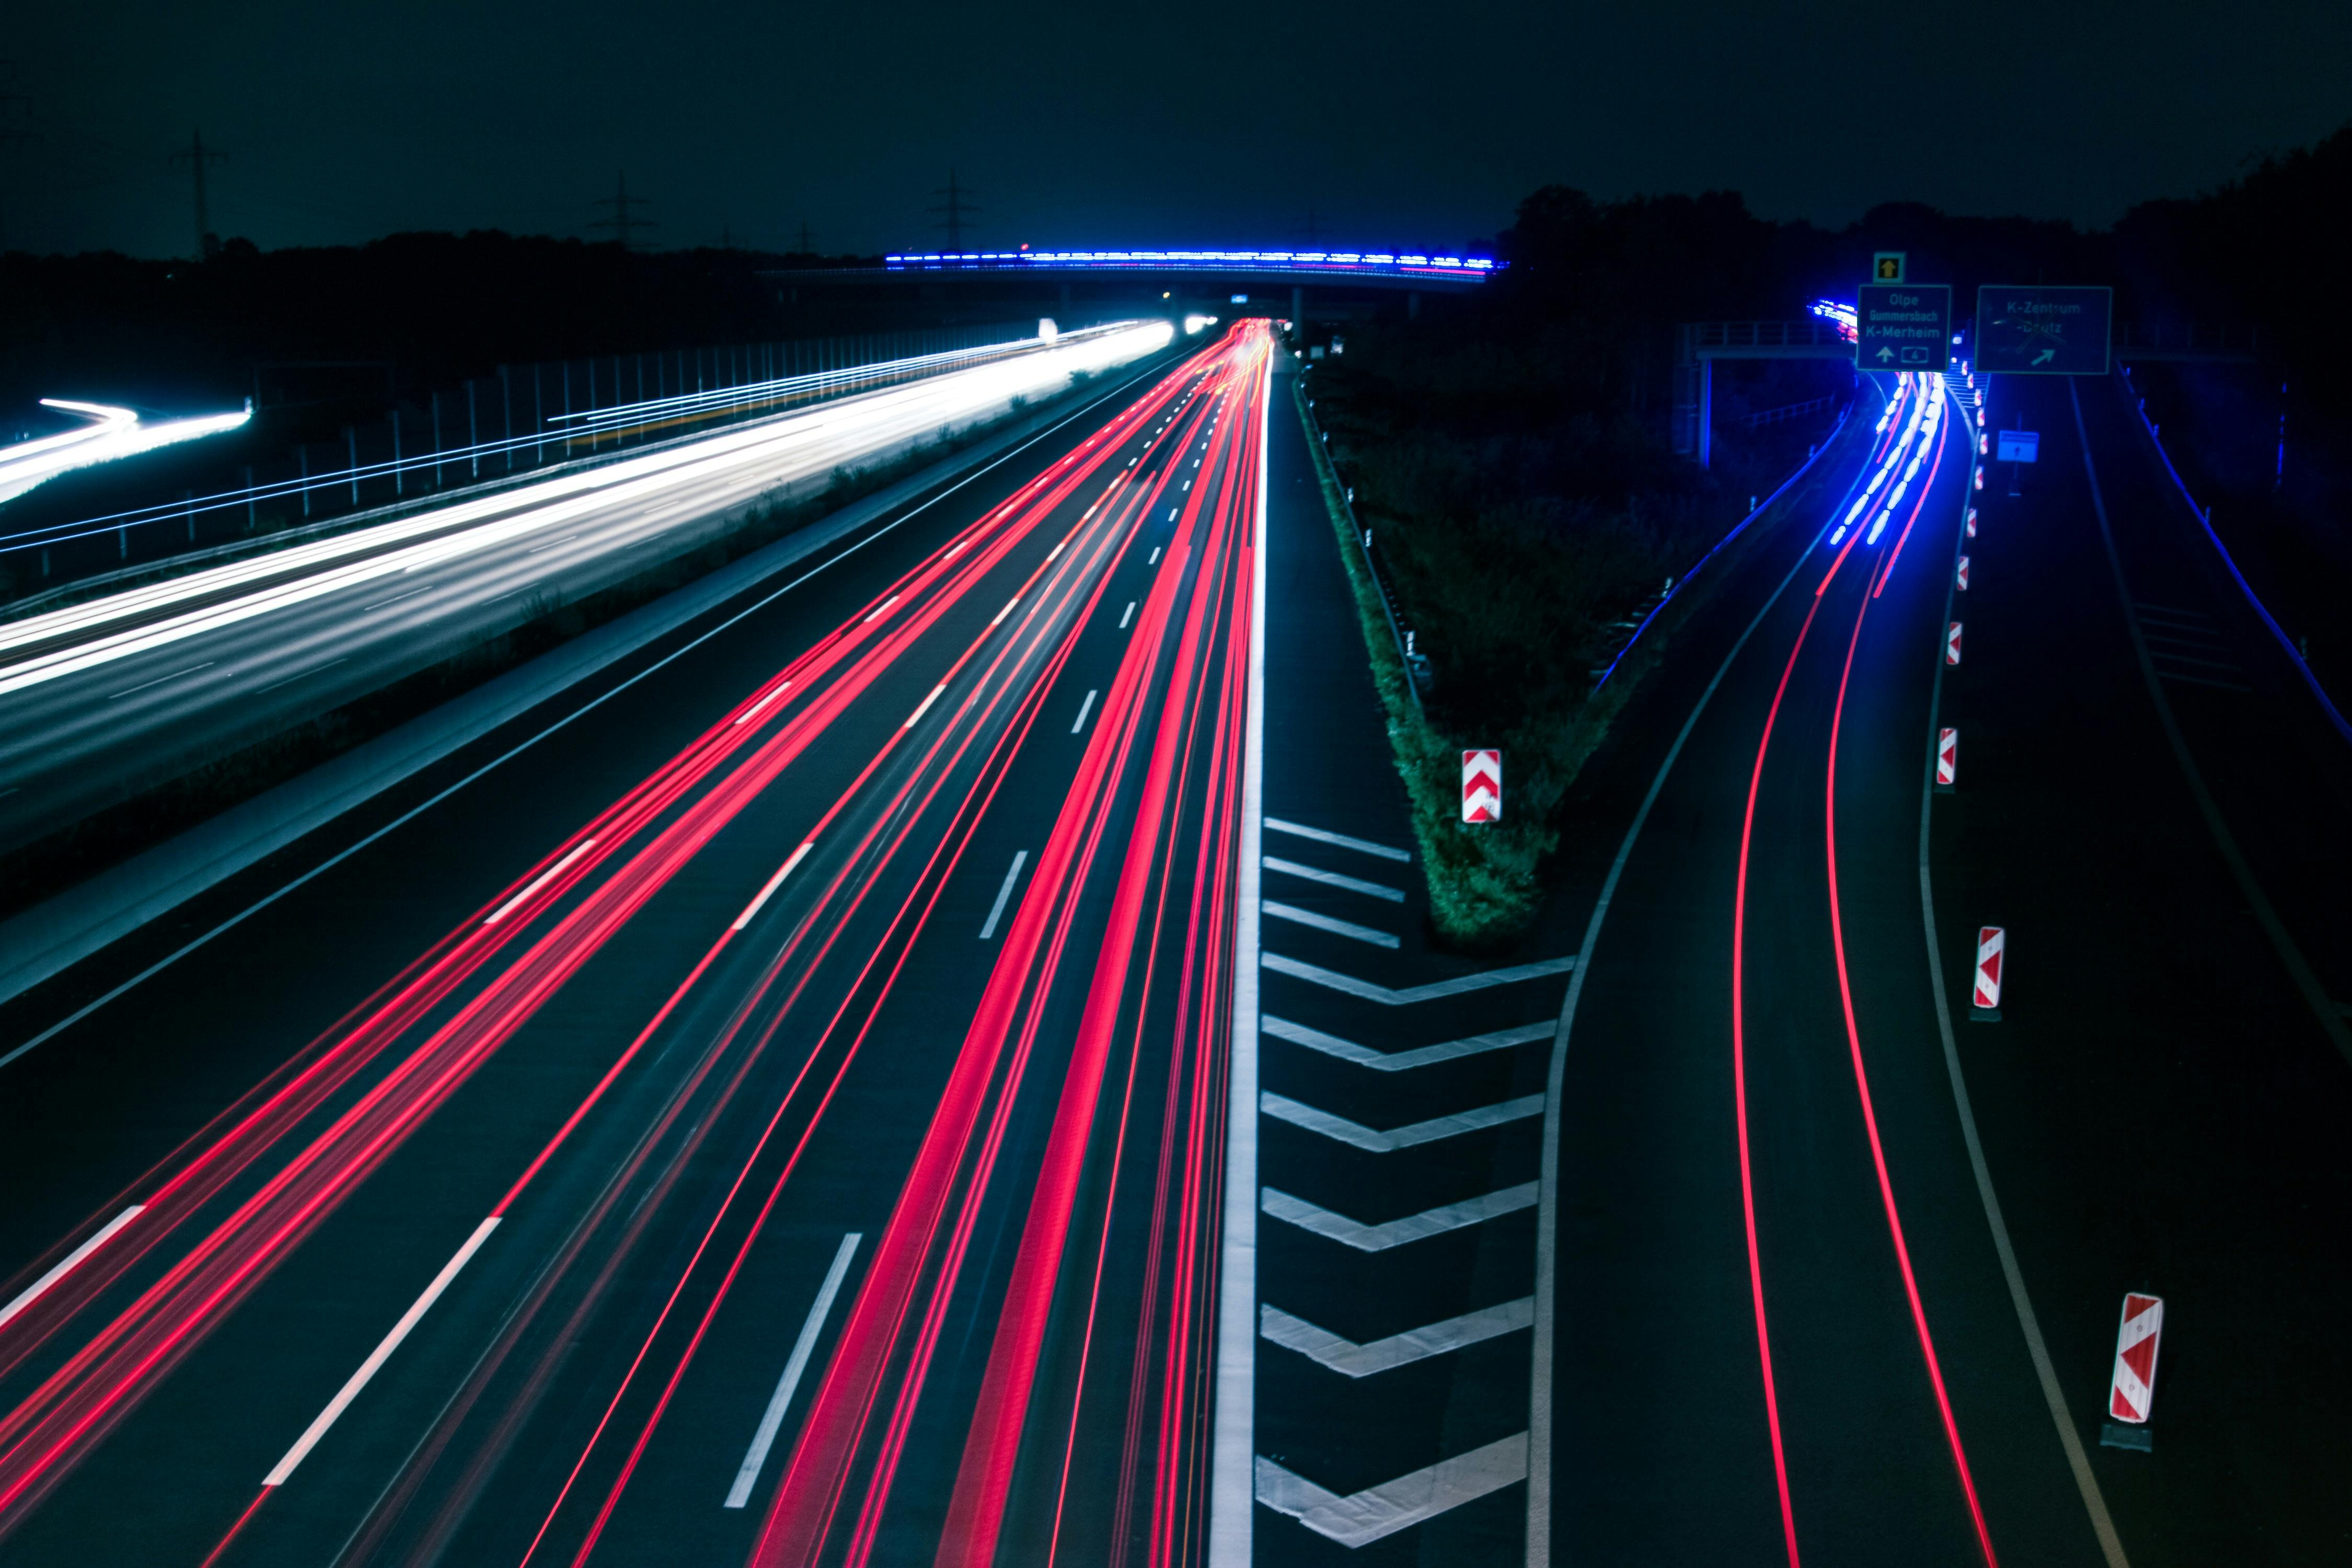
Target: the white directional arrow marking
(1398, 1061)
(1419, 1227)
(1385, 1510)
(1429, 992)
(1352, 1360)
(1430, 1132)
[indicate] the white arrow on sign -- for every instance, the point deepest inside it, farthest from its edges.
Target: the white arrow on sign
(1884, 355)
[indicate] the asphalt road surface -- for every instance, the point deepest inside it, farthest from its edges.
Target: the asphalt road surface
(776, 1115)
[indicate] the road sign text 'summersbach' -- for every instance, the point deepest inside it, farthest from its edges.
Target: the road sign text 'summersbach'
(1902, 326)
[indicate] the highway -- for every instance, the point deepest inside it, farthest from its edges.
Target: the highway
(946, 1063)
(780, 1113)
(1844, 1261)
(102, 697)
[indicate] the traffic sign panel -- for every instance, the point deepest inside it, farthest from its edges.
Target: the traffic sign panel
(2132, 1389)
(2019, 446)
(1482, 786)
(1887, 266)
(1904, 326)
(2026, 329)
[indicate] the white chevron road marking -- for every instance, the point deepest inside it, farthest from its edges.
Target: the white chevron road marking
(1340, 839)
(1286, 1110)
(1349, 929)
(1429, 992)
(1398, 1061)
(1382, 1510)
(1352, 1360)
(1419, 1227)
(1333, 880)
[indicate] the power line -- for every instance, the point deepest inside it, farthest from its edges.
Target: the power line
(197, 159)
(621, 223)
(955, 207)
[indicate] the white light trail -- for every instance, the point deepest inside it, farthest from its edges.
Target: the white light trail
(111, 433)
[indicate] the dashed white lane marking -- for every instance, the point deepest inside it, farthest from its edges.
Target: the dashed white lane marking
(376, 1358)
(300, 675)
(543, 880)
(768, 890)
(1413, 1227)
(1348, 929)
(1411, 993)
(1084, 708)
(1382, 1510)
(1128, 616)
(1155, 557)
(160, 680)
(1419, 1132)
(1333, 880)
(1349, 1359)
(875, 613)
(763, 701)
(922, 708)
(748, 1476)
(1400, 1061)
(1340, 839)
(33, 1292)
(996, 910)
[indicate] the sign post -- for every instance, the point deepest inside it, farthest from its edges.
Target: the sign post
(2026, 329)
(1904, 326)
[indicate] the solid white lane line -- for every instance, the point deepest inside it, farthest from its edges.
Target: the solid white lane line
(292, 679)
(1155, 557)
(376, 1358)
(1349, 1359)
(1376, 1511)
(923, 707)
(1232, 1436)
(1399, 1061)
(1340, 839)
(773, 882)
(537, 548)
(1429, 992)
(1084, 708)
(749, 712)
(1324, 923)
(1006, 611)
(160, 679)
(773, 1416)
(543, 880)
(1338, 1128)
(1333, 880)
(33, 1292)
(1128, 616)
(878, 609)
(996, 910)
(1413, 1227)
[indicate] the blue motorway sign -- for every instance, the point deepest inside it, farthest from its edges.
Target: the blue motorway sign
(2019, 446)
(1902, 326)
(2028, 329)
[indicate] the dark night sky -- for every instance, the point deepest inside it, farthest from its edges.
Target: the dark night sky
(1124, 124)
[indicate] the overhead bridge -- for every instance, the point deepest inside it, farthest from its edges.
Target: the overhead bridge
(1318, 284)
(1699, 344)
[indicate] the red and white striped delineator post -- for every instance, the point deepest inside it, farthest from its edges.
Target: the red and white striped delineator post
(1972, 522)
(1952, 644)
(1947, 760)
(1993, 957)
(1482, 786)
(2132, 1391)
(1963, 582)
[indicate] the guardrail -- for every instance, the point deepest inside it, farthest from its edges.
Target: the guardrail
(1416, 663)
(2204, 516)
(1790, 411)
(1676, 586)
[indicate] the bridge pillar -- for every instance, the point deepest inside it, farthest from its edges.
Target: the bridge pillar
(1298, 309)
(1705, 409)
